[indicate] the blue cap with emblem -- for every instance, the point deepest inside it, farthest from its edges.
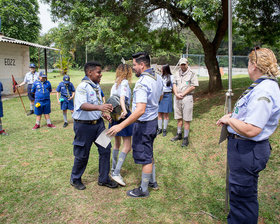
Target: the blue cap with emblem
(66, 79)
(32, 66)
(43, 75)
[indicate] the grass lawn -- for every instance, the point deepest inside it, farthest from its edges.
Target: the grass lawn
(35, 168)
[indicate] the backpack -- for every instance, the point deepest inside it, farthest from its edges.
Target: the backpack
(117, 109)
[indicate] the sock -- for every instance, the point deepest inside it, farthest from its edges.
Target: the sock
(159, 124)
(186, 133)
(121, 159)
(49, 121)
(179, 130)
(145, 181)
(65, 116)
(31, 106)
(165, 123)
(153, 177)
(38, 122)
(0, 124)
(115, 158)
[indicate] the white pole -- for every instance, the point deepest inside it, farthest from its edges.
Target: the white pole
(229, 92)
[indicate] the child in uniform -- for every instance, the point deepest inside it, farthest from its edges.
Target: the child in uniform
(42, 90)
(67, 93)
(2, 131)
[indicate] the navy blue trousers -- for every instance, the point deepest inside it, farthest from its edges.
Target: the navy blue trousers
(85, 135)
(246, 159)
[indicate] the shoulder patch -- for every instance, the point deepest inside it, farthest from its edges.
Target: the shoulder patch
(264, 98)
(138, 87)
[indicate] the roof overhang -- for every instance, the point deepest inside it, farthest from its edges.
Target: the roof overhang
(21, 42)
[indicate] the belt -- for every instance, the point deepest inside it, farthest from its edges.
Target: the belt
(235, 136)
(87, 121)
(166, 93)
(143, 122)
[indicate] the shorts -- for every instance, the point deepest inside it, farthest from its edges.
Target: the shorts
(183, 109)
(31, 96)
(127, 131)
(165, 105)
(45, 107)
(143, 138)
(67, 105)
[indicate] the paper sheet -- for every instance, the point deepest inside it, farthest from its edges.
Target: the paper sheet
(103, 139)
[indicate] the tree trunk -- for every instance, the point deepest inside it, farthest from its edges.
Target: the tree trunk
(211, 62)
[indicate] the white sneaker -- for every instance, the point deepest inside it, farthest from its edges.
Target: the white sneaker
(118, 179)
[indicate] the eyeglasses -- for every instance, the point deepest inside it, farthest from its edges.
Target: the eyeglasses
(256, 48)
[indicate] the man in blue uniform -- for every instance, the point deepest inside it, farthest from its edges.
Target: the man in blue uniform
(42, 90)
(2, 131)
(29, 79)
(88, 124)
(67, 92)
(146, 96)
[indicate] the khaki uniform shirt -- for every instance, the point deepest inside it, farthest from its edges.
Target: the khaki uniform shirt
(185, 80)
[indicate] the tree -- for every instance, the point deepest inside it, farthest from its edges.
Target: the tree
(258, 21)
(20, 19)
(130, 21)
(121, 22)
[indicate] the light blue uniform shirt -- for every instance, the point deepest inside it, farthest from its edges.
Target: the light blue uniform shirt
(148, 90)
(261, 108)
(85, 93)
(30, 78)
(122, 90)
(167, 89)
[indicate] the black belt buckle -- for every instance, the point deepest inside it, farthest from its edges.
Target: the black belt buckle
(94, 122)
(141, 122)
(235, 136)
(87, 121)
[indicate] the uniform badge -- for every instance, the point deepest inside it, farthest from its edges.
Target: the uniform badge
(236, 110)
(264, 98)
(138, 87)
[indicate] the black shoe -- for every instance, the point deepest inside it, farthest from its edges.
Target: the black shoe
(78, 185)
(110, 184)
(30, 112)
(185, 142)
(177, 137)
(154, 185)
(159, 131)
(137, 193)
(65, 124)
(164, 132)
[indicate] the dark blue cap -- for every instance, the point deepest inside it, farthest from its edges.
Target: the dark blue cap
(66, 79)
(32, 66)
(43, 75)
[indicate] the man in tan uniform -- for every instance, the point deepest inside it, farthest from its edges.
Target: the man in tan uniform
(184, 84)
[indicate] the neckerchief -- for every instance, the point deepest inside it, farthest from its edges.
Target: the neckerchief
(95, 88)
(67, 90)
(151, 73)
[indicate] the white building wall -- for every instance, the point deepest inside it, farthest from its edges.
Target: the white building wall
(14, 60)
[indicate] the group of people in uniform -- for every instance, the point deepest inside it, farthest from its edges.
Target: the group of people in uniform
(254, 118)
(39, 90)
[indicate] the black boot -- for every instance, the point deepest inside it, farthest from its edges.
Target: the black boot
(164, 132)
(185, 142)
(159, 131)
(177, 137)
